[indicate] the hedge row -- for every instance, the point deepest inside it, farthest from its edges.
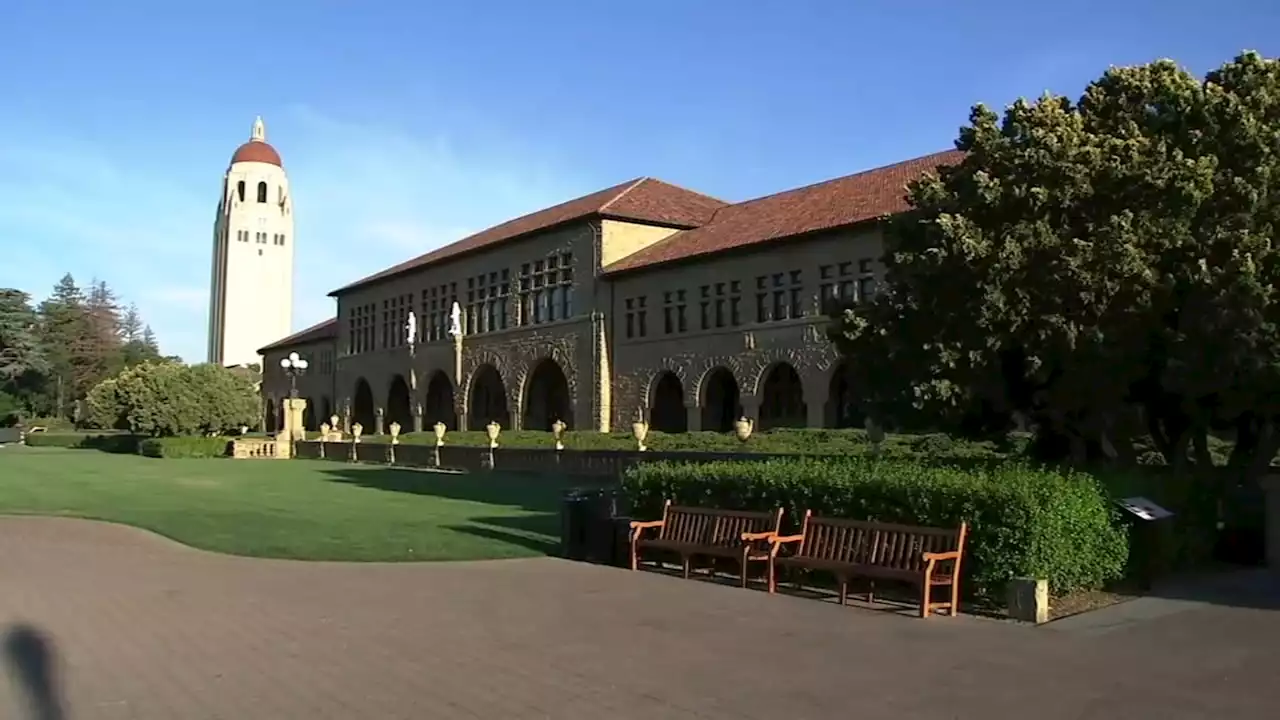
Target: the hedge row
(107, 442)
(170, 447)
(1024, 521)
(185, 447)
(781, 441)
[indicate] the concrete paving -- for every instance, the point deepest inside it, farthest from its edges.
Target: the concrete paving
(139, 627)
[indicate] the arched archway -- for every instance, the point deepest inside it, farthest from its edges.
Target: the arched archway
(488, 399)
(439, 404)
(782, 398)
(399, 405)
(721, 402)
(666, 405)
(326, 409)
(362, 406)
(309, 415)
(546, 397)
(842, 409)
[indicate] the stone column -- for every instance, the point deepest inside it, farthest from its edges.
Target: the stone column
(693, 417)
(815, 409)
(293, 429)
(378, 415)
(417, 417)
(750, 407)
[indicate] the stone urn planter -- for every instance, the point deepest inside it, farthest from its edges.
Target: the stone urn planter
(493, 429)
(742, 428)
(439, 429)
(557, 431)
(640, 431)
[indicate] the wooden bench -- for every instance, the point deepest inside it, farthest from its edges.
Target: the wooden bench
(924, 556)
(704, 532)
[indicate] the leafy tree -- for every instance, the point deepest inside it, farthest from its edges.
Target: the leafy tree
(1102, 267)
(162, 398)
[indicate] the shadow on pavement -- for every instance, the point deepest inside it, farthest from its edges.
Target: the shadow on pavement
(32, 661)
(1255, 588)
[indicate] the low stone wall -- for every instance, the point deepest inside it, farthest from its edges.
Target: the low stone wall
(259, 449)
(602, 464)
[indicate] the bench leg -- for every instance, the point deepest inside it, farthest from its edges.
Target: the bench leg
(771, 577)
(844, 591)
(955, 597)
(635, 556)
(925, 596)
(687, 566)
(871, 592)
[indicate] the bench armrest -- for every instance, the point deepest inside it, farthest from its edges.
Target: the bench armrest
(785, 539)
(754, 536)
(937, 557)
(643, 524)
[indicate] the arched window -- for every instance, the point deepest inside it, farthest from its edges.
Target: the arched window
(262, 192)
(240, 190)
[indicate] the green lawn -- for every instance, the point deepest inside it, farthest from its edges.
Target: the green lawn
(314, 510)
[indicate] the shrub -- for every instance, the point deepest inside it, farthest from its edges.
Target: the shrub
(1023, 521)
(165, 398)
(106, 442)
(184, 447)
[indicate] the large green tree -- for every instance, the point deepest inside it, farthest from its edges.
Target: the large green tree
(1090, 264)
(22, 363)
(165, 398)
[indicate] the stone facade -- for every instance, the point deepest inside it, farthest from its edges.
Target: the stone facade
(564, 322)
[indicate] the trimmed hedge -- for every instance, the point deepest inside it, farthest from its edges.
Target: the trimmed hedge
(781, 441)
(106, 442)
(1024, 521)
(184, 447)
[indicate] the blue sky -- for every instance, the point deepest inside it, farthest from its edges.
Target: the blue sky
(405, 125)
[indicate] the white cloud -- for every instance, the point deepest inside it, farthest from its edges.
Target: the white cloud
(367, 195)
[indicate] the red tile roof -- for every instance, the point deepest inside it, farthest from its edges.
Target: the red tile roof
(256, 151)
(835, 203)
(643, 199)
(326, 330)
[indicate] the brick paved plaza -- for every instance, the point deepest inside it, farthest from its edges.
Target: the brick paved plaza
(145, 628)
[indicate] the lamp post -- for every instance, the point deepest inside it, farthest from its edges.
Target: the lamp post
(293, 367)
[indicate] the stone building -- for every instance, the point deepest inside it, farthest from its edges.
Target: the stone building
(643, 300)
(251, 288)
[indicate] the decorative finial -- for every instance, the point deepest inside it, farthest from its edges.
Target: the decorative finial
(259, 130)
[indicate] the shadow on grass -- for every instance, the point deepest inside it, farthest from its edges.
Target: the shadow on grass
(533, 493)
(537, 496)
(534, 532)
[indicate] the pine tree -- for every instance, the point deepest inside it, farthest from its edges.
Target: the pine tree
(62, 327)
(149, 340)
(20, 352)
(131, 324)
(99, 353)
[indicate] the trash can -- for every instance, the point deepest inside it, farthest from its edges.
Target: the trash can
(574, 521)
(1151, 546)
(608, 527)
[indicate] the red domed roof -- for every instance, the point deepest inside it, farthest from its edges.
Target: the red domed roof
(256, 151)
